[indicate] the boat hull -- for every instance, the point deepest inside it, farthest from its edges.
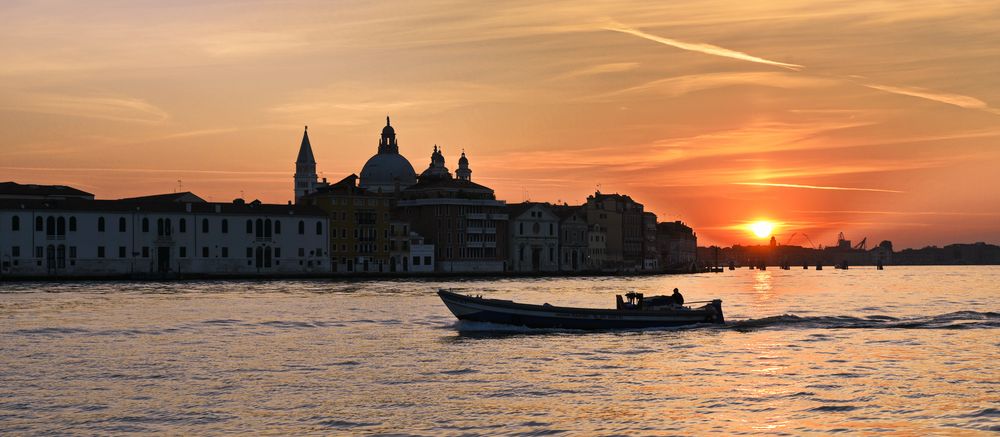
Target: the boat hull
(547, 316)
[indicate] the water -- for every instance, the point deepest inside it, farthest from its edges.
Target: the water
(909, 349)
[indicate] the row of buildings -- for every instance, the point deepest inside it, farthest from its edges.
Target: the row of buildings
(388, 220)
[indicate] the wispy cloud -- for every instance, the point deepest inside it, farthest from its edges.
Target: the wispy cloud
(115, 108)
(959, 100)
(815, 187)
(613, 67)
(707, 49)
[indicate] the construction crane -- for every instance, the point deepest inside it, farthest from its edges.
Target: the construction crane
(863, 245)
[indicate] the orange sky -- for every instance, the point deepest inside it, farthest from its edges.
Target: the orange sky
(878, 119)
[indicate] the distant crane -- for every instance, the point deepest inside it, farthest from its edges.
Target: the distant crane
(863, 245)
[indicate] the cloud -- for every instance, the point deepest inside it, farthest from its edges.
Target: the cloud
(707, 49)
(615, 67)
(959, 100)
(815, 187)
(115, 108)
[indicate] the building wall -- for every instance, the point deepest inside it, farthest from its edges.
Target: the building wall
(534, 240)
(597, 248)
(573, 243)
(170, 242)
(359, 229)
(468, 235)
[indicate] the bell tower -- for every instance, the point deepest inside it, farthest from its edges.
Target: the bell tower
(305, 168)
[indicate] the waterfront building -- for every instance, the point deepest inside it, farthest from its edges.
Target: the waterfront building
(651, 253)
(534, 237)
(572, 238)
(677, 245)
(621, 218)
(359, 226)
(463, 221)
(163, 235)
(597, 248)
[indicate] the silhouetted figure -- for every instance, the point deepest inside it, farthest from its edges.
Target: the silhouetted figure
(678, 297)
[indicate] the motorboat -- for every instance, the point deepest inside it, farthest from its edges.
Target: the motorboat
(636, 313)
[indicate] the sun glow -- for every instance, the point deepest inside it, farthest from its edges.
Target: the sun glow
(762, 229)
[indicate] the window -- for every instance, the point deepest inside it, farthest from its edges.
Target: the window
(204, 252)
(72, 224)
(536, 228)
(427, 260)
(121, 224)
(204, 226)
(72, 251)
(100, 224)
(302, 227)
(145, 224)
(277, 226)
(277, 252)
(551, 229)
(121, 251)
(183, 251)
(319, 228)
(249, 226)
(61, 226)
(521, 228)
(100, 251)
(225, 250)
(15, 251)
(552, 254)
(225, 226)
(249, 250)
(416, 260)
(145, 251)
(39, 252)
(182, 226)
(15, 223)
(39, 224)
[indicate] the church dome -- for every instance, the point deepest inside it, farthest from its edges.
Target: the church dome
(384, 170)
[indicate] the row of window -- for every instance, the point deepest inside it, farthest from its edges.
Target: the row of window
(536, 228)
(262, 228)
(40, 252)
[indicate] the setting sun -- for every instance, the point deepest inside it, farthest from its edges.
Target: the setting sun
(762, 229)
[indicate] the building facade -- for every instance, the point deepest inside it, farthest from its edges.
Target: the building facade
(167, 235)
(621, 218)
(534, 237)
(678, 245)
(651, 252)
(359, 227)
(572, 238)
(597, 248)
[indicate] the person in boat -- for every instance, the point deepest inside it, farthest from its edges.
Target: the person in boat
(678, 297)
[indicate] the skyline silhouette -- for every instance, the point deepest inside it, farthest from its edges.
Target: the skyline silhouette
(720, 117)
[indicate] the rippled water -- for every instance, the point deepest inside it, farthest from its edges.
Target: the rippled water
(908, 349)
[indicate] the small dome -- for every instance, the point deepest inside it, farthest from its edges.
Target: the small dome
(384, 170)
(463, 160)
(388, 131)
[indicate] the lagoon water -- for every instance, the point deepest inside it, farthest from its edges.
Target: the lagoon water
(908, 349)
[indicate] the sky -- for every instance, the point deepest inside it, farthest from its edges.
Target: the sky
(876, 119)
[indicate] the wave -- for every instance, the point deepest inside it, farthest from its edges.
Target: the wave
(955, 320)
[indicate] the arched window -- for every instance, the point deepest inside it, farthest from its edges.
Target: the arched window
(182, 225)
(145, 224)
(267, 228)
(204, 226)
(72, 223)
(61, 226)
(121, 224)
(166, 227)
(551, 228)
(39, 224)
(15, 223)
(319, 228)
(277, 226)
(260, 229)
(536, 228)
(225, 226)
(159, 226)
(249, 226)
(302, 227)
(100, 224)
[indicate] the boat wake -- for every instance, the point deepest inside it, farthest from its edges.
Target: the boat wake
(956, 320)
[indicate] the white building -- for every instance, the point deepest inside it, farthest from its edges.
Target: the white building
(534, 237)
(174, 234)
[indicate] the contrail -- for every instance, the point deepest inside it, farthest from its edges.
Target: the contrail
(946, 98)
(815, 187)
(959, 100)
(703, 48)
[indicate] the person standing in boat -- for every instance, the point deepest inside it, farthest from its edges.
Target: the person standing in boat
(678, 297)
